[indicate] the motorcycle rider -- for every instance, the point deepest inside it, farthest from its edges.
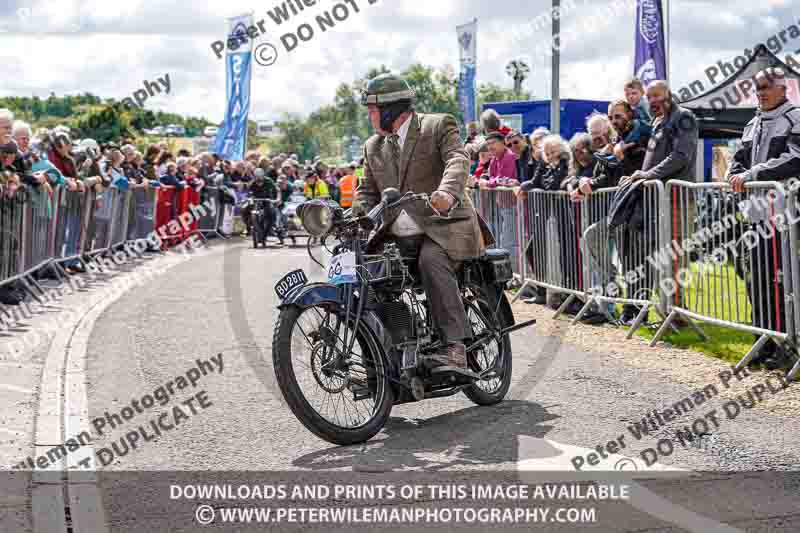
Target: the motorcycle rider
(424, 153)
(262, 187)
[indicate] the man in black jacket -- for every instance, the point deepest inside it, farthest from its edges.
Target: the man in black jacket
(261, 188)
(516, 142)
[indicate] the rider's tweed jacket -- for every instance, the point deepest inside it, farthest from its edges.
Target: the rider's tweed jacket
(433, 159)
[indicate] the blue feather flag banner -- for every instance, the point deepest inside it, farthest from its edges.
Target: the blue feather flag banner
(231, 140)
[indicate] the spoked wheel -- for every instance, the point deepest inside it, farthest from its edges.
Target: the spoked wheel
(256, 231)
(493, 360)
(342, 398)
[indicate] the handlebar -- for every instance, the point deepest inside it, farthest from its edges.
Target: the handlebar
(383, 206)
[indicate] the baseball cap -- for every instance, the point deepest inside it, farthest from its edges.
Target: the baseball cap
(9, 148)
(259, 173)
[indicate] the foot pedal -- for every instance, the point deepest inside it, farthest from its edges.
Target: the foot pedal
(460, 372)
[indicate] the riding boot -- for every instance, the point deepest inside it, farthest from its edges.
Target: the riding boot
(451, 358)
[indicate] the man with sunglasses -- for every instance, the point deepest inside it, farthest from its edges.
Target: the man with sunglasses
(770, 151)
(517, 143)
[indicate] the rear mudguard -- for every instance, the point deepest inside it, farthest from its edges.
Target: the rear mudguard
(504, 311)
(495, 292)
(319, 293)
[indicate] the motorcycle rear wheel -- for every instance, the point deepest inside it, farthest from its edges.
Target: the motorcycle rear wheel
(497, 354)
(366, 371)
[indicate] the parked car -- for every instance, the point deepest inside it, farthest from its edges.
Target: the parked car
(174, 130)
(210, 131)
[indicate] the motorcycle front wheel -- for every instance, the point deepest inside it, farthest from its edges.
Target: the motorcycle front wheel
(342, 398)
(256, 231)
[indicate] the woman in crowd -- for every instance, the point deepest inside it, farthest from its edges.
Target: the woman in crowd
(150, 163)
(583, 162)
(556, 218)
(115, 172)
(161, 163)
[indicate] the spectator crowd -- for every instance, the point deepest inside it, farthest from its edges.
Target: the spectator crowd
(50, 158)
(644, 135)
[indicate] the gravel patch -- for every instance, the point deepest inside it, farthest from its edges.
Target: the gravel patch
(678, 365)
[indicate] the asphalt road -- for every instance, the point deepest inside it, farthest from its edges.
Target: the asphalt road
(225, 304)
(563, 403)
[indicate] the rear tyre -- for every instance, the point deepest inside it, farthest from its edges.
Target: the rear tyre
(305, 364)
(494, 356)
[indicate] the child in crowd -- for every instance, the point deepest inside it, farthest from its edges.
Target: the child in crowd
(484, 157)
(635, 95)
(170, 177)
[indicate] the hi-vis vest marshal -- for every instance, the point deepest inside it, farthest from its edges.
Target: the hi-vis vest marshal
(347, 190)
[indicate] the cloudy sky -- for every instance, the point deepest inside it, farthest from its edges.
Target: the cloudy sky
(110, 47)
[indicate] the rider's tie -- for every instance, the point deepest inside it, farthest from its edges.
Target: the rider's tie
(394, 145)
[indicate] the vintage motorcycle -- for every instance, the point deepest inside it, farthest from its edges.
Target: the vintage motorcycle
(262, 216)
(347, 350)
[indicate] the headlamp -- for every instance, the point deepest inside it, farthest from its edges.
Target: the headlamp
(319, 216)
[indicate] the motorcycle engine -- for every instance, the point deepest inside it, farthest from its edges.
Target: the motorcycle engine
(396, 315)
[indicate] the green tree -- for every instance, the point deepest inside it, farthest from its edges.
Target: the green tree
(491, 92)
(436, 90)
(105, 123)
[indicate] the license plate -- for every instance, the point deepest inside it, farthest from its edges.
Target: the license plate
(342, 268)
(290, 281)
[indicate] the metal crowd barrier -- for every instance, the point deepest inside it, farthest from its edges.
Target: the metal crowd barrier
(40, 216)
(551, 243)
(622, 263)
(119, 218)
(102, 221)
(12, 235)
(210, 223)
(498, 207)
(737, 263)
(72, 224)
(40, 230)
(141, 219)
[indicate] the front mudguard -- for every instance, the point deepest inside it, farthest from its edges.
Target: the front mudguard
(313, 294)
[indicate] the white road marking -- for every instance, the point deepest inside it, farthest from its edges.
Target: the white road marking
(68, 352)
(549, 455)
(15, 388)
(544, 455)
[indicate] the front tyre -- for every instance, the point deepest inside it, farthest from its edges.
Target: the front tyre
(493, 359)
(256, 231)
(343, 399)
